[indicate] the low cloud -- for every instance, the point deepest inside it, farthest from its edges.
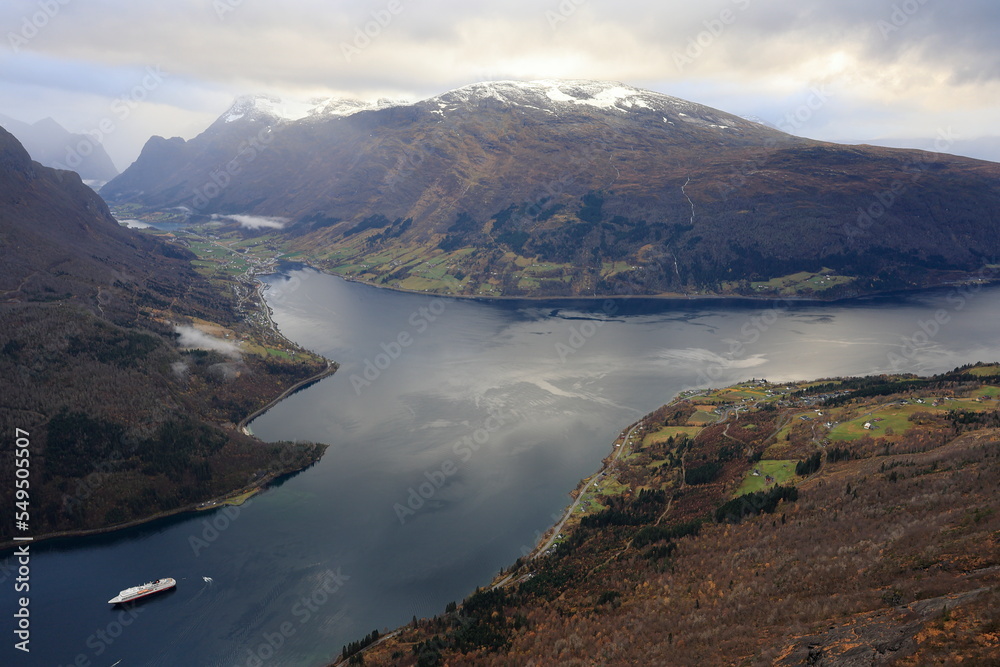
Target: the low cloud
(904, 68)
(227, 371)
(135, 224)
(190, 337)
(255, 221)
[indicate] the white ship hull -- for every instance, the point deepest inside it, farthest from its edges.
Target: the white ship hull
(136, 592)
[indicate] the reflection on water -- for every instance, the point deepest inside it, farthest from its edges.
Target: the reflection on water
(456, 430)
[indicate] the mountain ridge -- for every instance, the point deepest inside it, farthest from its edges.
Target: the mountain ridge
(125, 421)
(842, 521)
(53, 146)
(610, 188)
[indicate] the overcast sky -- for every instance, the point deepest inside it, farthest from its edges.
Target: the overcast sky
(844, 69)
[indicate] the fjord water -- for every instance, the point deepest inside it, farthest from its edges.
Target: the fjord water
(456, 430)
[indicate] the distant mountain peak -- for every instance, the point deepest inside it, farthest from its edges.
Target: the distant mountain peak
(49, 124)
(547, 95)
(345, 107)
(264, 106)
(508, 113)
(259, 105)
(595, 93)
(52, 145)
(558, 95)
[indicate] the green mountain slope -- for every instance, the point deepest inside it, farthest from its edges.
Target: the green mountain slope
(580, 188)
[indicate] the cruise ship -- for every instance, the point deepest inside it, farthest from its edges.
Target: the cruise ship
(137, 592)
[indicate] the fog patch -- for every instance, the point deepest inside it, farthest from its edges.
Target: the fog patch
(180, 370)
(254, 221)
(227, 371)
(135, 224)
(190, 337)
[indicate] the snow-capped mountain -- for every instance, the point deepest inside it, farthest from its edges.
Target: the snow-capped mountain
(577, 173)
(274, 108)
(344, 107)
(503, 117)
(550, 96)
(555, 96)
(253, 107)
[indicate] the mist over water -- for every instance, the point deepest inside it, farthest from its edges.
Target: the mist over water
(456, 430)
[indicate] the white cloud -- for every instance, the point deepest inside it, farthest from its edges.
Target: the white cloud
(190, 337)
(135, 224)
(255, 221)
(227, 371)
(907, 74)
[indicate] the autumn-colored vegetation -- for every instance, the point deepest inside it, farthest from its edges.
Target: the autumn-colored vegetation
(123, 423)
(886, 548)
(528, 197)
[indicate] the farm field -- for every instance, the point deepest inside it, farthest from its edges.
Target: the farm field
(781, 471)
(801, 282)
(668, 432)
(896, 417)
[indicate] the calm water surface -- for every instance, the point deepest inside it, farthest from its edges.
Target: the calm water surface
(456, 430)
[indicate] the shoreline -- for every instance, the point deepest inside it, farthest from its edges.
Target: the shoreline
(331, 368)
(618, 447)
(210, 504)
(985, 276)
(607, 463)
(522, 570)
(976, 283)
(219, 501)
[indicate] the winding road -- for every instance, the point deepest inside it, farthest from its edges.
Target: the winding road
(579, 497)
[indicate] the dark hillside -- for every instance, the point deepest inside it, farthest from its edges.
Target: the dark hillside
(122, 422)
(763, 539)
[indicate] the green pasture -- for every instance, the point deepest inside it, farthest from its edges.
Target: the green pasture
(803, 281)
(668, 432)
(702, 417)
(781, 470)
